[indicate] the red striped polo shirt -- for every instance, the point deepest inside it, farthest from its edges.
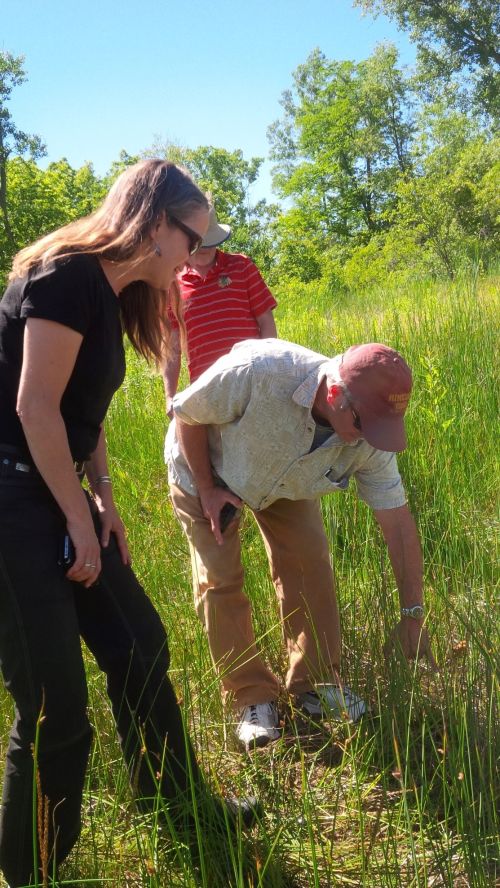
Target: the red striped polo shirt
(221, 308)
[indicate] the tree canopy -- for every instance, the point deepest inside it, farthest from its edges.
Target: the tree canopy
(12, 141)
(377, 177)
(452, 35)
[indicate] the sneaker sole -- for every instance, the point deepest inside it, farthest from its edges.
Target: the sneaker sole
(257, 742)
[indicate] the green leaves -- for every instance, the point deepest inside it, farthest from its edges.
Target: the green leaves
(452, 36)
(40, 201)
(382, 184)
(12, 140)
(341, 148)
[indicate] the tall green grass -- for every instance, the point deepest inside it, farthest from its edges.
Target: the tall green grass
(408, 798)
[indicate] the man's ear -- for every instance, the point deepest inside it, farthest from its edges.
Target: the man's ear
(333, 392)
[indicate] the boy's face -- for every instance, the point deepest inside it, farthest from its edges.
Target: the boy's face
(203, 258)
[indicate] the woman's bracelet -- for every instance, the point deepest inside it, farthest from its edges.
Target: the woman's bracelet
(103, 479)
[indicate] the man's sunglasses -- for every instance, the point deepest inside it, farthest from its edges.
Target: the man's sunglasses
(356, 419)
(195, 239)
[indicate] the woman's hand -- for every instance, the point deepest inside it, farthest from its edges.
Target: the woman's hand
(102, 489)
(112, 523)
(87, 564)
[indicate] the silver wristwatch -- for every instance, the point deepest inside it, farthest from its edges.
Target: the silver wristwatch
(417, 612)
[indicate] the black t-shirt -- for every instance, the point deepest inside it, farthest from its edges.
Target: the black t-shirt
(74, 292)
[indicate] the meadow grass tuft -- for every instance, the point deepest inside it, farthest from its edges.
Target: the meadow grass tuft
(409, 797)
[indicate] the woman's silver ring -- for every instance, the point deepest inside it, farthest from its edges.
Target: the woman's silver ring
(89, 564)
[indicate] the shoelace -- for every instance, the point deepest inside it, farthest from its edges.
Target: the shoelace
(253, 715)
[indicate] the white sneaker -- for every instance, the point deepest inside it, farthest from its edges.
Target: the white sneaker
(332, 701)
(258, 724)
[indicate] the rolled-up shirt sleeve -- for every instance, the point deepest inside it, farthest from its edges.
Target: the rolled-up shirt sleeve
(220, 395)
(379, 483)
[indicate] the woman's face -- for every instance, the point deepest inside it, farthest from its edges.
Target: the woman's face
(173, 245)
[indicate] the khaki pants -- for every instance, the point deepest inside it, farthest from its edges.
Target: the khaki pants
(299, 559)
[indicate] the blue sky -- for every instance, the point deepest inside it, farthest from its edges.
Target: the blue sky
(104, 76)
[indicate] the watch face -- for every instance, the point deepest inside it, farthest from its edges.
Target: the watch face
(416, 611)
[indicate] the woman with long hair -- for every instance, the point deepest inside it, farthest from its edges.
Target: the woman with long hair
(65, 571)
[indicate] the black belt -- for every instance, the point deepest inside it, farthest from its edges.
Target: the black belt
(18, 461)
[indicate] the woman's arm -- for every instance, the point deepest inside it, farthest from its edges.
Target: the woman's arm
(97, 472)
(50, 352)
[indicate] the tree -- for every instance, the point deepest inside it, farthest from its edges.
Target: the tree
(380, 183)
(452, 35)
(119, 166)
(12, 140)
(446, 218)
(340, 150)
(43, 200)
(451, 207)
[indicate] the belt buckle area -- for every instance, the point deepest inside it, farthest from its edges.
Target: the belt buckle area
(11, 463)
(22, 467)
(12, 469)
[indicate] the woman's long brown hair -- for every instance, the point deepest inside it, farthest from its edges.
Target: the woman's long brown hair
(115, 231)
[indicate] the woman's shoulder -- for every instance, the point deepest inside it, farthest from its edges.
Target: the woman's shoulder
(78, 276)
(65, 268)
(70, 289)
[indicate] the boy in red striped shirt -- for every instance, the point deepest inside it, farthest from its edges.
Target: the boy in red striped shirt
(224, 300)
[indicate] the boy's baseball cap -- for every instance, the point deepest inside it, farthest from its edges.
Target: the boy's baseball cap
(379, 384)
(216, 233)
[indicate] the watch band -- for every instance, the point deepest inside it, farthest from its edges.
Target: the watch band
(416, 611)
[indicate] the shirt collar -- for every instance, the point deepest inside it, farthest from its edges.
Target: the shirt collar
(221, 260)
(305, 394)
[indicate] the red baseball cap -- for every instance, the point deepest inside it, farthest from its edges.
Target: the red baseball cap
(379, 385)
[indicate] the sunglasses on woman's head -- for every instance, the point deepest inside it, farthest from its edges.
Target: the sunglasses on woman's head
(195, 239)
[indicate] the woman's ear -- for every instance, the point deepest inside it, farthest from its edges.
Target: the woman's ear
(153, 231)
(153, 234)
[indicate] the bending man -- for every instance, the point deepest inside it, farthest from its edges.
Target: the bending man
(276, 426)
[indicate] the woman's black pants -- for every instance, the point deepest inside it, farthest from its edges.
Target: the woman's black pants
(43, 618)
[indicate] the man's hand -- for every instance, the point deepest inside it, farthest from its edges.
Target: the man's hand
(212, 502)
(412, 638)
